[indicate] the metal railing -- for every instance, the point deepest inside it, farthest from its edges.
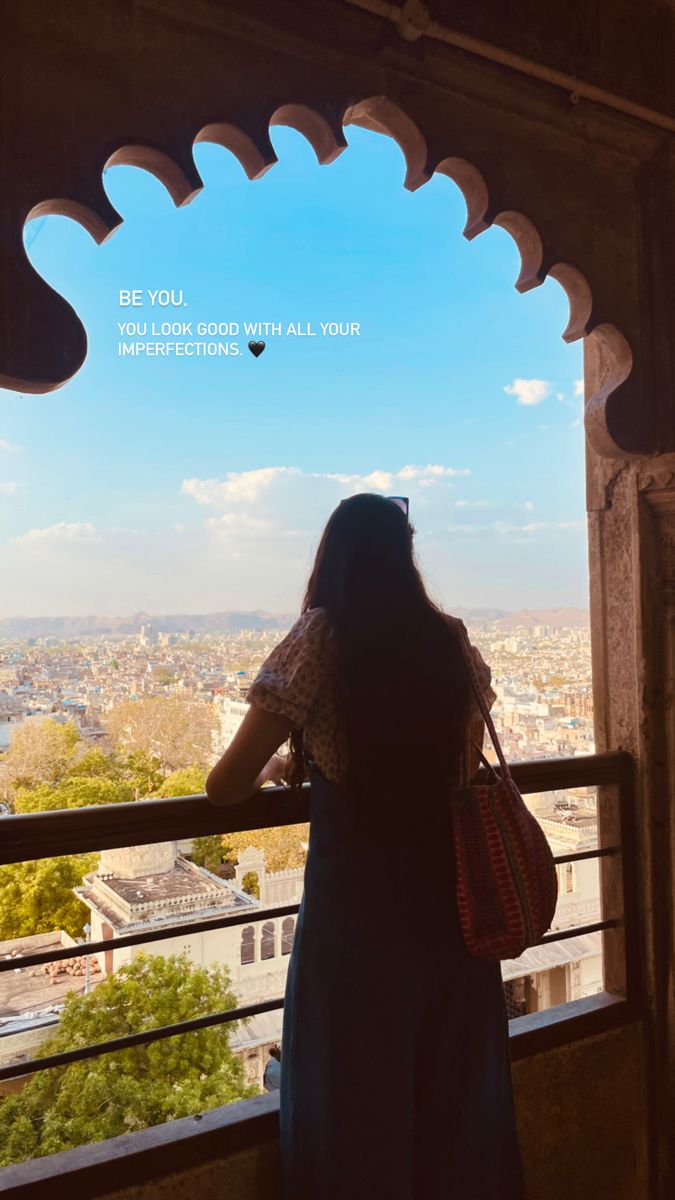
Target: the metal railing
(47, 835)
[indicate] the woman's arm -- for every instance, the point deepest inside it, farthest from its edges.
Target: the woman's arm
(250, 759)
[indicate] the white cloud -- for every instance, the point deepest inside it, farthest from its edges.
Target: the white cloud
(238, 486)
(8, 447)
(57, 534)
(278, 491)
(268, 521)
(384, 481)
(381, 481)
(578, 387)
(247, 540)
(433, 470)
(232, 524)
(8, 487)
(529, 391)
(505, 527)
(501, 529)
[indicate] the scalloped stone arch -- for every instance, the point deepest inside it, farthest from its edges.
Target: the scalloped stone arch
(608, 354)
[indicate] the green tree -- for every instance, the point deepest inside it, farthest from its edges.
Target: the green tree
(40, 752)
(208, 851)
(177, 732)
(95, 762)
(251, 884)
(37, 897)
(188, 781)
(129, 1089)
(283, 847)
(143, 771)
(76, 792)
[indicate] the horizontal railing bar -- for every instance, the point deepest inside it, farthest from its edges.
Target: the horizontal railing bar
(27, 836)
(577, 856)
(220, 1018)
(85, 949)
(569, 931)
(138, 1039)
(249, 917)
(140, 939)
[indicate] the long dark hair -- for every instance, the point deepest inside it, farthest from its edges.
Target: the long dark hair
(403, 694)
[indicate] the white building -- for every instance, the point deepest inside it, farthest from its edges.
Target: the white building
(572, 968)
(230, 716)
(146, 887)
(142, 888)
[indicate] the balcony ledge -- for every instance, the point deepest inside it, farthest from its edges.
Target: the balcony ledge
(161, 1150)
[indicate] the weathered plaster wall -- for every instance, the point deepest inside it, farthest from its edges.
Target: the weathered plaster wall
(627, 46)
(582, 1117)
(581, 1120)
(249, 1175)
(632, 575)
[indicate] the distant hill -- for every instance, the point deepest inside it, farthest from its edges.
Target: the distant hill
(557, 618)
(232, 621)
(478, 616)
(76, 627)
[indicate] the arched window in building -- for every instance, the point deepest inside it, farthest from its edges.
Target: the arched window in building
(267, 941)
(247, 945)
(287, 935)
(569, 877)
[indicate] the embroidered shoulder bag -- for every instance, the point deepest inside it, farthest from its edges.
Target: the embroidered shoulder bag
(507, 886)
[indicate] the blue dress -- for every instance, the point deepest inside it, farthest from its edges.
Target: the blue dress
(395, 1063)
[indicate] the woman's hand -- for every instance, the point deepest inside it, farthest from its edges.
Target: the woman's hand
(274, 771)
(251, 759)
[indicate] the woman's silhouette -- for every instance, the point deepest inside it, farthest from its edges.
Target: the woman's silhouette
(395, 1067)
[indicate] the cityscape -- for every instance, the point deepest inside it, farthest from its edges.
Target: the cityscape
(541, 674)
(100, 693)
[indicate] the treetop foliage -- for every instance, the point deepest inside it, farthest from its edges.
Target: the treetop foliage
(178, 733)
(37, 897)
(283, 846)
(128, 1089)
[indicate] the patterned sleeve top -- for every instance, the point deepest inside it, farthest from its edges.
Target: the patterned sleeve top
(299, 680)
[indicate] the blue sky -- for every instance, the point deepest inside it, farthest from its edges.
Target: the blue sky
(197, 484)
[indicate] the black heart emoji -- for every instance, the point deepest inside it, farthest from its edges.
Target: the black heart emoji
(256, 348)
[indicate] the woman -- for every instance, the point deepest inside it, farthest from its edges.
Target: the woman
(395, 1067)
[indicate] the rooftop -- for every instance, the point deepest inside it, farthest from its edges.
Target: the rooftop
(30, 990)
(177, 894)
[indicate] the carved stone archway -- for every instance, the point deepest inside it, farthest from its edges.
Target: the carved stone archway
(586, 191)
(520, 156)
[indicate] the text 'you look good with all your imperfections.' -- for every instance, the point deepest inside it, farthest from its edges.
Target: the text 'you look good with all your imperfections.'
(161, 338)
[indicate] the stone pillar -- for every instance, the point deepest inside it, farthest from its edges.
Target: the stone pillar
(632, 594)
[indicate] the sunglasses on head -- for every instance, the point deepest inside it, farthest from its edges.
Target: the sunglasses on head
(402, 502)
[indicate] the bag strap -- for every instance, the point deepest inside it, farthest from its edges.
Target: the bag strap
(482, 703)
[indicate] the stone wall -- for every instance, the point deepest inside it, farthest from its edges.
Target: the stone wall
(581, 1120)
